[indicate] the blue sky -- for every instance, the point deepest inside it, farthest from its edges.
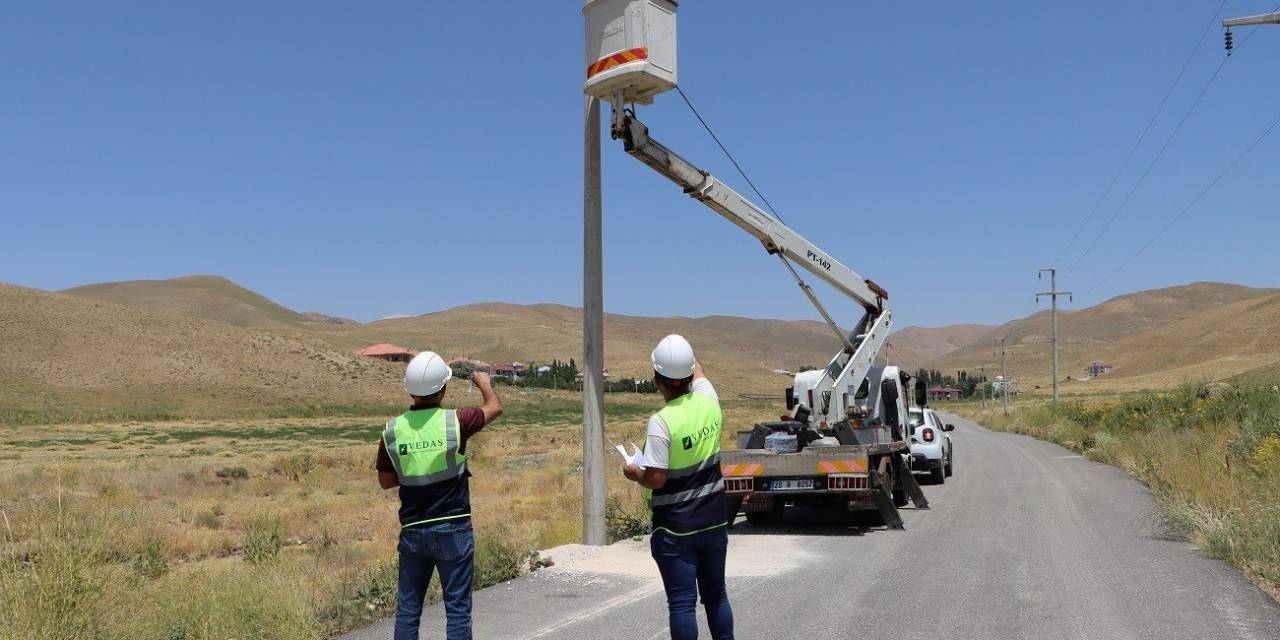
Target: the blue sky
(402, 157)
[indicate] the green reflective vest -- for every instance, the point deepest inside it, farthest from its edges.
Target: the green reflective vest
(423, 447)
(692, 500)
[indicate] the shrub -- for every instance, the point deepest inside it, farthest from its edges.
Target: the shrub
(232, 473)
(499, 557)
(624, 521)
(1268, 452)
(367, 597)
(294, 467)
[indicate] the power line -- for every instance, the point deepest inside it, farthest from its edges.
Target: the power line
(1194, 201)
(1159, 109)
(1185, 116)
(730, 155)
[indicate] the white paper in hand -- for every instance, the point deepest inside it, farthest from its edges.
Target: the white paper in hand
(636, 457)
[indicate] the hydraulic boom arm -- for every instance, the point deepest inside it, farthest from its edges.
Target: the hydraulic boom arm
(849, 367)
(776, 237)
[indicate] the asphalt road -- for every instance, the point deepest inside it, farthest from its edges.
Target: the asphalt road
(1027, 540)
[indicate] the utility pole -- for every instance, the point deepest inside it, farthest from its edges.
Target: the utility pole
(593, 487)
(1004, 372)
(1053, 293)
(982, 386)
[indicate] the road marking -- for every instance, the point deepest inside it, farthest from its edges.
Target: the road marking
(627, 598)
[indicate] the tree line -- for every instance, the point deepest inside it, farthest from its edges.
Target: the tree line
(558, 374)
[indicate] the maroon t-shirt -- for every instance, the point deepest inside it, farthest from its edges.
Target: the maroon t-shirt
(470, 422)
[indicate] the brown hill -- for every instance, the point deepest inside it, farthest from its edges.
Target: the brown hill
(70, 355)
(915, 347)
(1153, 339)
(211, 297)
(740, 352)
(316, 316)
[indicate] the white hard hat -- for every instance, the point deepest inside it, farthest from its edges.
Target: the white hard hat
(673, 357)
(426, 374)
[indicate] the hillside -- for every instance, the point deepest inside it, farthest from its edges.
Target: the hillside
(316, 316)
(1153, 339)
(68, 355)
(915, 347)
(741, 353)
(211, 297)
(203, 345)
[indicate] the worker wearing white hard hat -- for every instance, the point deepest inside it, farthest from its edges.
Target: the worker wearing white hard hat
(680, 468)
(423, 452)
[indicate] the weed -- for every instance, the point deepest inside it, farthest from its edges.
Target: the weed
(232, 473)
(624, 520)
(296, 466)
(150, 561)
(263, 542)
(499, 557)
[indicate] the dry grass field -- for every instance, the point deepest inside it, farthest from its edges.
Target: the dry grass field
(266, 528)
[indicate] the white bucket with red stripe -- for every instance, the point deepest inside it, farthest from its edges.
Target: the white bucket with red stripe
(631, 48)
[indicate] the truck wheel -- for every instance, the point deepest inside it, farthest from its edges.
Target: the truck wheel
(938, 474)
(900, 498)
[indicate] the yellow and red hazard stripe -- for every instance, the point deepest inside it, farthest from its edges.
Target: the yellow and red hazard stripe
(745, 469)
(842, 466)
(614, 59)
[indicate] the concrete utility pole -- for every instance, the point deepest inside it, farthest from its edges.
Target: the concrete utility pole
(1053, 293)
(593, 488)
(1004, 373)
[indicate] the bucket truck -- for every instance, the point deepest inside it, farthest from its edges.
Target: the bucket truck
(845, 441)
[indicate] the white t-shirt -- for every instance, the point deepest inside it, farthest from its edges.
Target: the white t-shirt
(657, 439)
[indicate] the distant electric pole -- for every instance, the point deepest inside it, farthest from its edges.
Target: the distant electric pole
(982, 386)
(1247, 21)
(1053, 293)
(1004, 373)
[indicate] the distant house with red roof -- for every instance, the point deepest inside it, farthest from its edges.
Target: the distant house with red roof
(944, 393)
(386, 351)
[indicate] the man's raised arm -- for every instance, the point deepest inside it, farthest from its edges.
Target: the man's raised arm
(492, 406)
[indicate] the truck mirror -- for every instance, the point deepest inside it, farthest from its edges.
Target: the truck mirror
(922, 394)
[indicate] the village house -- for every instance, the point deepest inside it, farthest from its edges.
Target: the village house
(944, 393)
(388, 352)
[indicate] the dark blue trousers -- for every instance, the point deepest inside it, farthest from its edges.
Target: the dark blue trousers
(693, 566)
(448, 547)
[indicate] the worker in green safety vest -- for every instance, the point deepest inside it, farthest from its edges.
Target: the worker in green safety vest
(423, 452)
(680, 468)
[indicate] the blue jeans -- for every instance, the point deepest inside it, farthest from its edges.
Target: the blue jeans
(450, 547)
(693, 565)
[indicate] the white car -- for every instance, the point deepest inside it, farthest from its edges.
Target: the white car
(931, 449)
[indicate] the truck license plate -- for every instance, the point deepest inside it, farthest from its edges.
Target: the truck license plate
(791, 485)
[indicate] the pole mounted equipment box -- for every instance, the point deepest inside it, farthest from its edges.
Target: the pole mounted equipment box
(631, 49)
